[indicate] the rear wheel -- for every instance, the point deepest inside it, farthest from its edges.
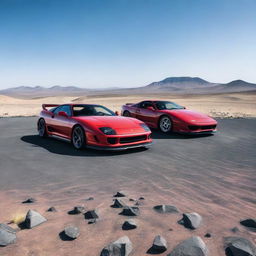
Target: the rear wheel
(41, 128)
(78, 137)
(165, 124)
(126, 113)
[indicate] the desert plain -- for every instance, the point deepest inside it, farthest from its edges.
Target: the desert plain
(213, 176)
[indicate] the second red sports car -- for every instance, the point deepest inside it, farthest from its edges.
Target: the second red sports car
(169, 116)
(94, 126)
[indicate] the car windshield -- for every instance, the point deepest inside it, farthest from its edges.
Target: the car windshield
(91, 110)
(161, 105)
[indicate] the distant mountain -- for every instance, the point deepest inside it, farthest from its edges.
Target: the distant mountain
(184, 85)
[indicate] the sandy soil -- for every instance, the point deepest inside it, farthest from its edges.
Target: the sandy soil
(216, 105)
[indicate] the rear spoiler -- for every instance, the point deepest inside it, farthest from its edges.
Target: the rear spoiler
(44, 106)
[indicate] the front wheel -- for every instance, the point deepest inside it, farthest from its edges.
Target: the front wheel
(165, 124)
(41, 128)
(78, 137)
(126, 113)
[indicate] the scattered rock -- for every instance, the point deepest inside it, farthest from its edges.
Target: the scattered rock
(121, 247)
(132, 200)
(193, 246)
(52, 209)
(130, 211)
(239, 246)
(166, 208)
(77, 210)
(7, 235)
(129, 224)
(159, 245)
(72, 232)
(89, 199)
(141, 198)
(29, 201)
(93, 214)
(170, 229)
(138, 203)
(92, 221)
(235, 229)
(120, 194)
(191, 220)
(118, 203)
(208, 235)
(249, 223)
(33, 219)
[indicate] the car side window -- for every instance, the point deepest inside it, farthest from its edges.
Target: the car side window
(146, 104)
(65, 108)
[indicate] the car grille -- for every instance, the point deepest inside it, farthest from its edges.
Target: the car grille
(132, 139)
(204, 127)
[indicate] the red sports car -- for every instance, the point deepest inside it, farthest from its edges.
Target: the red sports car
(169, 116)
(94, 126)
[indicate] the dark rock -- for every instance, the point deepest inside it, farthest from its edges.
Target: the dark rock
(132, 200)
(130, 211)
(119, 194)
(191, 220)
(234, 229)
(7, 235)
(29, 201)
(166, 208)
(93, 214)
(208, 235)
(52, 209)
(89, 198)
(118, 203)
(249, 223)
(193, 246)
(138, 203)
(77, 210)
(141, 198)
(72, 232)
(239, 246)
(33, 219)
(92, 221)
(159, 245)
(121, 247)
(129, 224)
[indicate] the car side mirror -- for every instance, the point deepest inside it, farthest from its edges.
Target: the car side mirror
(62, 113)
(150, 108)
(117, 113)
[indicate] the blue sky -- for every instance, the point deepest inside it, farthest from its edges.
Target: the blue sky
(125, 42)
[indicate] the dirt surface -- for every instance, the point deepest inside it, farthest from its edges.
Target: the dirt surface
(217, 105)
(211, 175)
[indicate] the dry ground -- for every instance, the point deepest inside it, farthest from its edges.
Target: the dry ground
(216, 105)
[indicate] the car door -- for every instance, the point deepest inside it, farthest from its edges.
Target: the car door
(61, 125)
(144, 113)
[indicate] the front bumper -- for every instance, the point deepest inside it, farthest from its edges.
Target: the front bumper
(120, 148)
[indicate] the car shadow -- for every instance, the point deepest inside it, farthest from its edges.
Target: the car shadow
(65, 148)
(156, 134)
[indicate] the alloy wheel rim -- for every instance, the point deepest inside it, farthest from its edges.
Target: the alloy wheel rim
(165, 124)
(77, 137)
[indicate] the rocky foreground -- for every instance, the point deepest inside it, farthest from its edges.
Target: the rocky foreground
(194, 245)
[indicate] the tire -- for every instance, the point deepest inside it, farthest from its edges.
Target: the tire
(126, 113)
(165, 124)
(78, 137)
(41, 128)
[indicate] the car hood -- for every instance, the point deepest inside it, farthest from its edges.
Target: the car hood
(122, 125)
(189, 116)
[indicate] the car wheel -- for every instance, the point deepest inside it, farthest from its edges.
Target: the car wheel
(78, 137)
(126, 113)
(165, 124)
(41, 128)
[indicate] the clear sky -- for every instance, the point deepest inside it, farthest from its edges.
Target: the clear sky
(125, 43)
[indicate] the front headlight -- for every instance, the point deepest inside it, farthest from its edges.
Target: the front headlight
(108, 130)
(145, 127)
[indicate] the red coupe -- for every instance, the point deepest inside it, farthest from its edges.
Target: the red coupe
(94, 126)
(169, 116)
